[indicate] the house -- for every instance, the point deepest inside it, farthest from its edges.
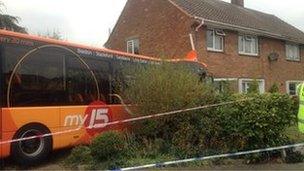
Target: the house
(238, 44)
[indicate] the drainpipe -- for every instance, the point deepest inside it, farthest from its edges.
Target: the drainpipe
(192, 41)
(196, 30)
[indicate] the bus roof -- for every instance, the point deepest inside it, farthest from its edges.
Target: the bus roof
(76, 45)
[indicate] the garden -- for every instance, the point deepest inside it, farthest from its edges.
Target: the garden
(254, 121)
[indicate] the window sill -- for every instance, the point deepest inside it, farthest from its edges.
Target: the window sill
(249, 54)
(293, 60)
(215, 50)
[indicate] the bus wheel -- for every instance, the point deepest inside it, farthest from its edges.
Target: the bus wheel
(31, 151)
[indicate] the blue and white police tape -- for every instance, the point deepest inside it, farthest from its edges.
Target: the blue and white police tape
(210, 157)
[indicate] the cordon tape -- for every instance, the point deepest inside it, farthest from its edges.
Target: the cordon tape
(126, 120)
(210, 157)
(174, 162)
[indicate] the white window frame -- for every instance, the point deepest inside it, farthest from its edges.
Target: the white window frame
(219, 33)
(243, 44)
(260, 81)
(224, 80)
(291, 82)
(132, 42)
(289, 45)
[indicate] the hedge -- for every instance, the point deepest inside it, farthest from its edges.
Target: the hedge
(257, 123)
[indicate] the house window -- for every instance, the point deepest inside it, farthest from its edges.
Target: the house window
(291, 87)
(133, 46)
(215, 39)
(225, 84)
(292, 52)
(245, 84)
(248, 45)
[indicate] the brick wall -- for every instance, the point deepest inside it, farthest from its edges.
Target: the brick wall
(163, 31)
(161, 28)
(230, 64)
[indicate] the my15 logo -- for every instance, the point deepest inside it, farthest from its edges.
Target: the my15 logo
(96, 117)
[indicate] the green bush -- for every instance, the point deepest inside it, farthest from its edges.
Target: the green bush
(152, 148)
(164, 88)
(274, 88)
(107, 164)
(185, 141)
(259, 123)
(247, 125)
(253, 87)
(132, 145)
(108, 146)
(80, 155)
(293, 156)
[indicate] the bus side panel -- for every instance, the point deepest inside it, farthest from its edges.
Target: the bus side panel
(76, 119)
(119, 113)
(71, 119)
(15, 118)
(5, 147)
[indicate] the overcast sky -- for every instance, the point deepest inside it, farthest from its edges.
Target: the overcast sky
(89, 21)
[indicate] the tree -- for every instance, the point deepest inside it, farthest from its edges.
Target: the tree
(56, 34)
(9, 22)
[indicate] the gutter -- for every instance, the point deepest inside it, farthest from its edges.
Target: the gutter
(204, 21)
(201, 23)
(207, 22)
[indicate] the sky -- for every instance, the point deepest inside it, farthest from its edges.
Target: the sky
(89, 21)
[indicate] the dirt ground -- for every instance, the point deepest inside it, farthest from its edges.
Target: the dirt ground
(55, 163)
(299, 166)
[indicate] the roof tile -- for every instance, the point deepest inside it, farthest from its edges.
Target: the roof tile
(217, 10)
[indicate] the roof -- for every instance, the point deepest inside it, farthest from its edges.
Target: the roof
(75, 45)
(234, 15)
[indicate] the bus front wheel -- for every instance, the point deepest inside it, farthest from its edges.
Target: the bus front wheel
(33, 150)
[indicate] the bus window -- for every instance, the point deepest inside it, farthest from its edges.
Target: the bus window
(123, 77)
(81, 83)
(102, 72)
(38, 80)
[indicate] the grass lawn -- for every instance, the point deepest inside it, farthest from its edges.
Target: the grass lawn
(295, 135)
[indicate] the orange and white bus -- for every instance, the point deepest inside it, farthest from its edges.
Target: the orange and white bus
(49, 86)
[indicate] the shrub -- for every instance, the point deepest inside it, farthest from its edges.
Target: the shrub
(152, 148)
(224, 87)
(274, 88)
(253, 87)
(253, 124)
(108, 146)
(293, 156)
(185, 141)
(109, 164)
(259, 123)
(164, 88)
(80, 155)
(132, 145)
